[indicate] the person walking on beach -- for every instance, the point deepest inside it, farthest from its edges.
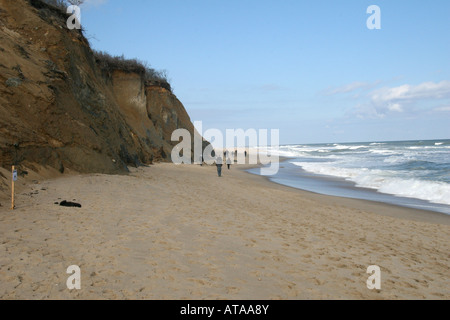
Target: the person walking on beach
(219, 164)
(229, 163)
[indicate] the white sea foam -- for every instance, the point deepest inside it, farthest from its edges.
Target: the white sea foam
(383, 151)
(342, 147)
(278, 152)
(385, 181)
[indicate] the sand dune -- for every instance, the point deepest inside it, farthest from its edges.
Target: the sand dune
(180, 232)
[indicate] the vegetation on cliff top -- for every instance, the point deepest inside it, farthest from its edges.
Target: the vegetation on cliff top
(109, 63)
(63, 4)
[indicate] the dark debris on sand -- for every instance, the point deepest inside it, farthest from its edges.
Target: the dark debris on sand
(69, 204)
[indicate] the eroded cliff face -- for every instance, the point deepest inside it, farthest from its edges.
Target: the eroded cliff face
(58, 110)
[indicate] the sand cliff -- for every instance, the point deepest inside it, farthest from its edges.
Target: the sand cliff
(60, 111)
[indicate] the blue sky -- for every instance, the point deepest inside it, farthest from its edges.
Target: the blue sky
(311, 69)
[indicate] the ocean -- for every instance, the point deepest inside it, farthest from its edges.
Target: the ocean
(413, 174)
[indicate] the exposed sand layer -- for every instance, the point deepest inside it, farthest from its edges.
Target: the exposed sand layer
(180, 232)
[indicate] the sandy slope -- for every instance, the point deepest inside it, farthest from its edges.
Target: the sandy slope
(168, 232)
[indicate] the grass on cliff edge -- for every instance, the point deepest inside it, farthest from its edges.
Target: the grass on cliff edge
(109, 63)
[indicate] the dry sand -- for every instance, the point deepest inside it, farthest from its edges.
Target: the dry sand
(180, 232)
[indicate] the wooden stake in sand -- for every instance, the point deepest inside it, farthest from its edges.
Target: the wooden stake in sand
(14, 179)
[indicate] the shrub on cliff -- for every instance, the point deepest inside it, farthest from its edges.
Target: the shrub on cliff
(63, 4)
(59, 7)
(109, 63)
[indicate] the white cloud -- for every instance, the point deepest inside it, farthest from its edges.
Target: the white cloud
(357, 85)
(395, 107)
(442, 109)
(403, 98)
(426, 90)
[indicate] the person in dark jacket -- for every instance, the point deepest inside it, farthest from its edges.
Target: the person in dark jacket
(219, 164)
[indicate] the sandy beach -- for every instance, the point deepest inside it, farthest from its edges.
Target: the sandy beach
(180, 232)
